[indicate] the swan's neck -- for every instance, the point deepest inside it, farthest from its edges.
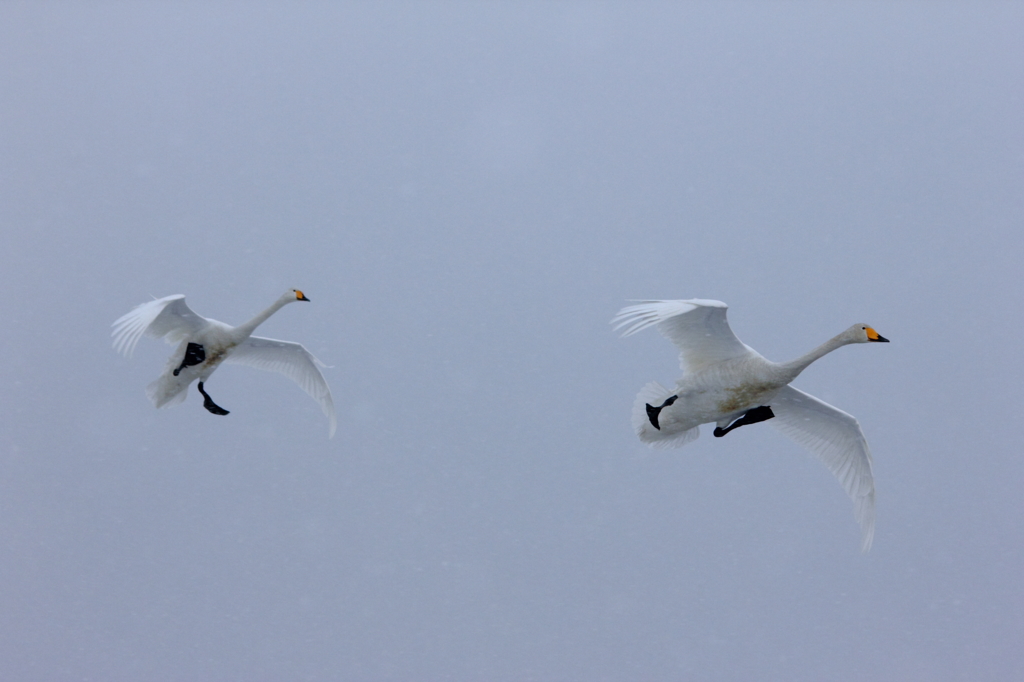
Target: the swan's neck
(792, 369)
(244, 331)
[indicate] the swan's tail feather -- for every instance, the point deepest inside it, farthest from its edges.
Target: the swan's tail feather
(654, 394)
(167, 389)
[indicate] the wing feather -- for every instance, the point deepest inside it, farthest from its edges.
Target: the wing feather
(835, 438)
(293, 361)
(698, 327)
(168, 317)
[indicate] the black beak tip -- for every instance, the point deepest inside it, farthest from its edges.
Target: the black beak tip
(882, 339)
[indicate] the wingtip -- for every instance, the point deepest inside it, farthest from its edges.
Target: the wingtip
(867, 541)
(644, 314)
(867, 525)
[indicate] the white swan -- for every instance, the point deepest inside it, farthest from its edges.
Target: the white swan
(729, 383)
(203, 344)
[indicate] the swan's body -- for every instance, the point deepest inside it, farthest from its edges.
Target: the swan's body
(730, 384)
(203, 344)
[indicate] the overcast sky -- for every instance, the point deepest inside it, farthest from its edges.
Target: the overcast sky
(468, 193)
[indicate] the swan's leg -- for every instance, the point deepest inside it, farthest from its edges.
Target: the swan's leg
(195, 354)
(653, 412)
(209, 404)
(752, 416)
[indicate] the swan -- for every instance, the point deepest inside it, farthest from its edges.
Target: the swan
(727, 382)
(204, 343)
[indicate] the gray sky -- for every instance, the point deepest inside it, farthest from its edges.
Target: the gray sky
(468, 193)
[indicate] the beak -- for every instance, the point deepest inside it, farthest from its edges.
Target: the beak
(299, 296)
(875, 336)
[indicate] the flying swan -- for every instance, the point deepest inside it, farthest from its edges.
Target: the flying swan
(204, 343)
(727, 382)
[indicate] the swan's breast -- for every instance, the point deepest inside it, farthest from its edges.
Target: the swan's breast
(746, 395)
(216, 356)
(218, 346)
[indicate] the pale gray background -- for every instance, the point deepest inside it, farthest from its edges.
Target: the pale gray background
(468, 193)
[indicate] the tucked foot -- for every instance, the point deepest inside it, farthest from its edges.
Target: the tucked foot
(195, 354)
(208, 402)
(751, 416)
(653, 412)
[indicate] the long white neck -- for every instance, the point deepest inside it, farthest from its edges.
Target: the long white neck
(244, 331)
(793, 368)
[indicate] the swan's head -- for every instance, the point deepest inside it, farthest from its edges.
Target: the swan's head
(864, 333)
(295, 295)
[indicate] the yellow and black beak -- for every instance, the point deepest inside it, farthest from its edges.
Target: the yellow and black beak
(875, 336)
(299, 296)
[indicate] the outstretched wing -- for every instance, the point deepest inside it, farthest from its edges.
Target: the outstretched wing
(697, 326)
(166, 317)
(291, 360)
(835, 438)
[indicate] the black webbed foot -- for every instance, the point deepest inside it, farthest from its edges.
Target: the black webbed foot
(195, 354)
(209, 404)
(653, 412)
(751, 416)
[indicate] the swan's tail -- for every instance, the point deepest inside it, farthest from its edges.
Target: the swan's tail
(167, 389)
(655, 394)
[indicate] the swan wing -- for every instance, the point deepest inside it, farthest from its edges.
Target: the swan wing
(835, 438)
(168, 317)
(697, 326)
(291, 360)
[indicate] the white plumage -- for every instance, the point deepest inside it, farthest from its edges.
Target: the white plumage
(728, 383)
